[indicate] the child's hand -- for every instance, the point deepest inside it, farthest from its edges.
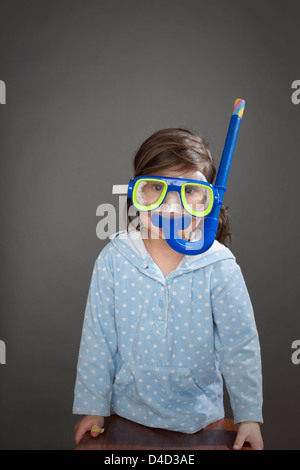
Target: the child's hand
(85, 424)
(249, 431)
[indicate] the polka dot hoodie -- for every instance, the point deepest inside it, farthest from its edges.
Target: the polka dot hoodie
(154, 348)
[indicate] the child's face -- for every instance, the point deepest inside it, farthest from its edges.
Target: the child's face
(172, 206)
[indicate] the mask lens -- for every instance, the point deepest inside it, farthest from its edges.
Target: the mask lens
(197, 199)
(149, 193)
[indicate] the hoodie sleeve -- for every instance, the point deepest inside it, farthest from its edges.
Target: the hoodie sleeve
(236, 341)
(98, 347)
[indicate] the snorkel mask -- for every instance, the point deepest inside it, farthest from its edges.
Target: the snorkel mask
(199, 199)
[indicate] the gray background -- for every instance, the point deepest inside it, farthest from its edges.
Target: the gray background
(87, 82)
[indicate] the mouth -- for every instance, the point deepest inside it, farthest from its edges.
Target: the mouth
(182, 224)
(169, 215)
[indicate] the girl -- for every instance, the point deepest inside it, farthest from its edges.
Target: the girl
(161, 328)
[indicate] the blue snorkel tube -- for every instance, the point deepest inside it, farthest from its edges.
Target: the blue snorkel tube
(171, 226)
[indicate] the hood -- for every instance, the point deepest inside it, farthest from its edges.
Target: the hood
(131, 245)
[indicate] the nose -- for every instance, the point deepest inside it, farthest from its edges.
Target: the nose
(172, 203)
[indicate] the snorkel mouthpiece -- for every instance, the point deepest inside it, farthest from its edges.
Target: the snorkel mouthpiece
(171, 226)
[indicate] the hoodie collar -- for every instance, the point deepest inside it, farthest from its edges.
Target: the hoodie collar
(131, 245)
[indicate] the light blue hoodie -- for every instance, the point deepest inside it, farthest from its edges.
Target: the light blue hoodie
(153, 348)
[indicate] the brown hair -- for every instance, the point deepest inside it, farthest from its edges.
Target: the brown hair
(177, 147)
